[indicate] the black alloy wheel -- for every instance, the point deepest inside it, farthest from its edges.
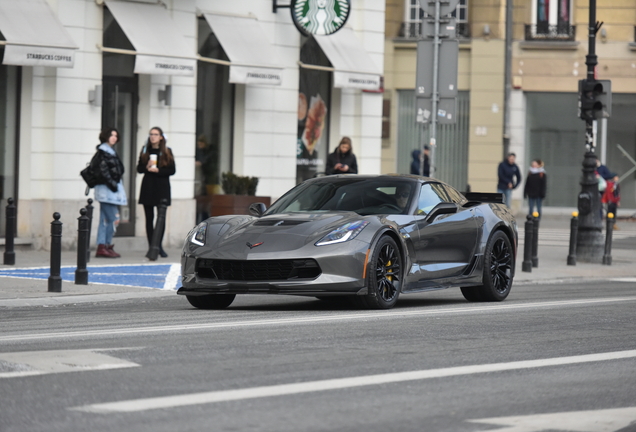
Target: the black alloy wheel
(384, 276)
(212, 301)
(498, 271)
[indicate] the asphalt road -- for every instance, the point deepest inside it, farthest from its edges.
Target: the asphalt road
(551, 357)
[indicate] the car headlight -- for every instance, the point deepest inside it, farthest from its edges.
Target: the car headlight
(344, 233)
(198, 234)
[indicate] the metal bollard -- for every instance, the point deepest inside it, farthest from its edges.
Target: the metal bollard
(153, 251)
(89, 215)
(526, 266)
(9, 252)
(535, 239)
(55, 281)
(81, 274)
(607, 257)
(574, 228)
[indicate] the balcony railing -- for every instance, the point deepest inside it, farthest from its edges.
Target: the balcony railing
(413, 30)
(545, 32)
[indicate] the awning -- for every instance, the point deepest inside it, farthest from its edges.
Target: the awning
(34, 35)
(160, 48)
(252, 56)
(353, 66)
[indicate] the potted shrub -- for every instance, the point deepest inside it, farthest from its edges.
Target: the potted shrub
(239, 193)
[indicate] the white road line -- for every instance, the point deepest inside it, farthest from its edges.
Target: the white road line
(135, 405)
(375, 315)
(172, 277)
(605, 420)
(28, 363)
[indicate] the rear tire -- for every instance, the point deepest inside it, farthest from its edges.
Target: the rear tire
(499, 264)
(384, 276)
(212, 301)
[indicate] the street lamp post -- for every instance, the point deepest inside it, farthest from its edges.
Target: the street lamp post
(590, 237)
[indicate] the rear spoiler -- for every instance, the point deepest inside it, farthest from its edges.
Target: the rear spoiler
(497, 198)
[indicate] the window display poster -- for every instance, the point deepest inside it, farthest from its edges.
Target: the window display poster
(313, 109)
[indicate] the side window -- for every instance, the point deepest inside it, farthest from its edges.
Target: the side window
(454, 196)
(431, 194)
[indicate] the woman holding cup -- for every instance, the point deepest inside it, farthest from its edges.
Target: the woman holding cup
(156, 163)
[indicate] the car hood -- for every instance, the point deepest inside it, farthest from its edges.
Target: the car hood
(243, 235)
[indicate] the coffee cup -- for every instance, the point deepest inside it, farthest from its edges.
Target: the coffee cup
(153, 159)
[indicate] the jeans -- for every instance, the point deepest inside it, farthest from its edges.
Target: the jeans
(532, 202)
(507, 196)
(108, 221)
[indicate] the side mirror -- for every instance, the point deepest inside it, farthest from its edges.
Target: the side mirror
(257, 209)
(440, 209)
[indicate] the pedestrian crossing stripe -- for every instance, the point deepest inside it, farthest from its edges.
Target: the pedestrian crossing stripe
(158, 276)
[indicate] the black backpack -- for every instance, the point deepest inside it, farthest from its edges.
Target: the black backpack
(91, 174)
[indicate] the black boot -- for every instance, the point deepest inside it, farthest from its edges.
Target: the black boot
(162, 253)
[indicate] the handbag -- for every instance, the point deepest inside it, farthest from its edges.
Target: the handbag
(92, 176)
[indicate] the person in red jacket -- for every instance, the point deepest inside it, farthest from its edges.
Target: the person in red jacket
(612, 196)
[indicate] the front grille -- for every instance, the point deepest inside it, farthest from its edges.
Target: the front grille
(263, 270)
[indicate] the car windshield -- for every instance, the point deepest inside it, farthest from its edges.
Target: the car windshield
(363, 196)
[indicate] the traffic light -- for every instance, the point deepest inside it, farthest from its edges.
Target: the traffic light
(595, 99)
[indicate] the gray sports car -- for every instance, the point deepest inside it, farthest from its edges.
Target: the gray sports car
(370, 238)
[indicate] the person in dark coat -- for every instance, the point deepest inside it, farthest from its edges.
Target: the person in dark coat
(509, 177)
(156, 163)
(535, 187)
(415, 163)
(342, 160)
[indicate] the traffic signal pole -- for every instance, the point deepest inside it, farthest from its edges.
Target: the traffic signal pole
(590, 236)
(433, 132)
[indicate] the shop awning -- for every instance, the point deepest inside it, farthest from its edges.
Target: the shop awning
(34, 36)
(160, 49)
(252, 56)
(353, 66)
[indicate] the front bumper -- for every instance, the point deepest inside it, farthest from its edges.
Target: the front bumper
(341, 273)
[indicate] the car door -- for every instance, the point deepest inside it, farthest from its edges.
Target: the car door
(446, 245)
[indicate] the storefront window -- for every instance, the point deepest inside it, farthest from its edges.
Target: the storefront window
(214, 118)
(314, 101)
(9, 117)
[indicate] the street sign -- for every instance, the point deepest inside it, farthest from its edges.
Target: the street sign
(445, 7)
(446, 110)
(447, 28)
(447, 77)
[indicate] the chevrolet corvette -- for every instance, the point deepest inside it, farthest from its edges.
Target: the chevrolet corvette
(371, 238)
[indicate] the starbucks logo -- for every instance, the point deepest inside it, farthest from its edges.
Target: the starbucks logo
(320, 17)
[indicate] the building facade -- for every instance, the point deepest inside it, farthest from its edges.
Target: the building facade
(264, 99)
(549, 48)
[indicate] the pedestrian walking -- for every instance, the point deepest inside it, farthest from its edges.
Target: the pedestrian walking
(110, 193)
(509, 177)
(417, 160)
(342, 160)
(156, 163)
(612, 197)
(535, 187)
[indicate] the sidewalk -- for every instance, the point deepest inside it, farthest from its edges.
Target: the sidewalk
(552, 267)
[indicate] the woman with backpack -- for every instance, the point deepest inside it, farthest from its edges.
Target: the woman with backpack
(109, 192)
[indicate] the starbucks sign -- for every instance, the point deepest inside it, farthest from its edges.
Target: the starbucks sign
(320, 17)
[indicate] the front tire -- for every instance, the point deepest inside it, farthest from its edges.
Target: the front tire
(384, 276)
(213, 301)
(499, 264)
